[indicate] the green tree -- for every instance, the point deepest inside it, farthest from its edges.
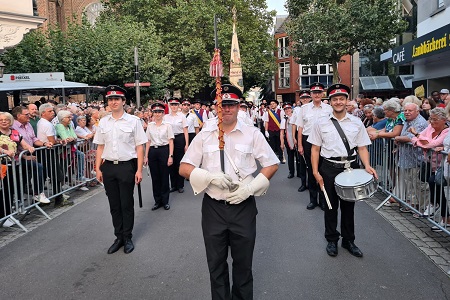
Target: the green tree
(326, 30)
(98, 55)
(187, 32)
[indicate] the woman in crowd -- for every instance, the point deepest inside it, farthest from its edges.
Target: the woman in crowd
(65, 131)
(368, 115)
(10, 139)
(427, 105)
(82, 131)
(180, 143)
(433, 138)
(90, 124)
(159, 156)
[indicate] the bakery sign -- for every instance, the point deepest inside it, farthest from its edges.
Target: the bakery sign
(435, 42)
(33, 77)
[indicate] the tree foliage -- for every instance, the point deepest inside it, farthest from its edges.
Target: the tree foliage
(326, 30)
(98, 55)
(186, 29)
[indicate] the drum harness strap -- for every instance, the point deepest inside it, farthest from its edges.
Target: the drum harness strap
(345, 160)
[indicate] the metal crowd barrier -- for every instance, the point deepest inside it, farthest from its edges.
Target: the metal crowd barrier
(53, 172)
(407, 174)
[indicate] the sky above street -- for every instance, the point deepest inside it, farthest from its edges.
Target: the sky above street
(277, 5)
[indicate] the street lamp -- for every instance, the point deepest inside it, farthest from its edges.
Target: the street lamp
(2, 69)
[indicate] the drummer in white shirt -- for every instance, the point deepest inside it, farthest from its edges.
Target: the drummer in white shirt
(327, 142)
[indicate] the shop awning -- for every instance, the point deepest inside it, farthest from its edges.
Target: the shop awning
(376, 83)
(406, 80)
(17, 86)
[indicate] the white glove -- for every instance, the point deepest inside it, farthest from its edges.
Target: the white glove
(257, 187)
(266, 134)
(200, 179)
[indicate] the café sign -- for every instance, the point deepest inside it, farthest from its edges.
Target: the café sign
(430, 44)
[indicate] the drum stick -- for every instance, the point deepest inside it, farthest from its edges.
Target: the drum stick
(326, 197)
(305, 161)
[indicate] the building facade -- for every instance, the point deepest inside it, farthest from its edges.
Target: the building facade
(292, 77)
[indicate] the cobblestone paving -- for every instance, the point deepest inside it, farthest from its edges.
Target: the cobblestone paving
(435, 245)
(35, 218)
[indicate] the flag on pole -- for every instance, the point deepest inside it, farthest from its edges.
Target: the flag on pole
(236, 78)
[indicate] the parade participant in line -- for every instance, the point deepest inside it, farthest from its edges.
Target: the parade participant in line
(329, 146)
(243, 113)
(304, 98)
(272, 119)
(229, 218)
(309, 114)
(159, 156)
(191, 119)
(200, 113)
(118, 164)
(286, 138)
(181, 142)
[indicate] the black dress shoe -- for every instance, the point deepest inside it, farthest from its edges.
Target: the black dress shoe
(128, 246)
(302, 188)
(332, 249)
(181, 190)
(298, 175)
(311, 205)
(352, 248)
(322, 206)
(172, 190)
(115, 246)
(282, 162)
(290, 176)
(167, 207)
(156, 206)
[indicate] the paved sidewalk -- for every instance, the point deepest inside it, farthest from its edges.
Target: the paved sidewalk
(34, 219)
(435, 245)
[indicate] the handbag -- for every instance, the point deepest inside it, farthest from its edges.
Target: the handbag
(439, 178)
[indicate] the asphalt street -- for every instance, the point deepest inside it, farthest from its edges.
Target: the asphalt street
(66, 258)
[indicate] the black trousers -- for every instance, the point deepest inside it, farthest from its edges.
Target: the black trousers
(437, 195)
(233, 226)
(176, 180)
(301, 167)
(191, 137)
(157, 162)
(275, 143)
(329, 172)
(290, 157)
(313, 187)
(52, 168)
(119, 187)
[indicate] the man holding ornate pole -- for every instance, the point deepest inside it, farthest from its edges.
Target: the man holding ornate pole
(229, 206)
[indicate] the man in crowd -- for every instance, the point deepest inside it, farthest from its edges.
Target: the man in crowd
(272, 121)
(408, 157)
(328, 145)
(34, 116)
(191, 119)
(229, 206)
(309, 114)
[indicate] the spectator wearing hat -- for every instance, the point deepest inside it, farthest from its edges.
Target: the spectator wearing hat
(272, 122)
(309, 114)
(260, 115)
(181, 142)
(305, 98)
(286, 138)
(329, 146)
(120, 140)
(229, 218)
(191, 119)
(159, 156)
(442, 96)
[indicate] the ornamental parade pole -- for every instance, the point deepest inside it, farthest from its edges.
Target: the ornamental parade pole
(216, 70)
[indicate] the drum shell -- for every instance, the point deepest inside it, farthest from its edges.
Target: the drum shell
(357, 192)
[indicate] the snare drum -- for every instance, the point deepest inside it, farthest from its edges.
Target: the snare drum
(355, 185)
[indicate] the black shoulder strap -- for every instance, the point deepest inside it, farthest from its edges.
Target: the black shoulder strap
(343, 136)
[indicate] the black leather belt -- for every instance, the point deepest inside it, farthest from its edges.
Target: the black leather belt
(156, 147)
(343, 158)
(118, 162)
(224, 202)
(336, 165)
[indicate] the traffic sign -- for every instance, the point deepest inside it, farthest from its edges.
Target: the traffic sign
(132, 84)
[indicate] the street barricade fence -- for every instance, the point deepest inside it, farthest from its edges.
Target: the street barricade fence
(51, 171)
(416, 178)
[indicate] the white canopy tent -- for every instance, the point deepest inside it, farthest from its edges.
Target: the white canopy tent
(16, 86)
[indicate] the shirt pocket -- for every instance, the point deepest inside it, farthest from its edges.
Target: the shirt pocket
(107, 134)
(329, 133)
(211, 158)
(244, 156)
(352, 132)
(125, 134)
